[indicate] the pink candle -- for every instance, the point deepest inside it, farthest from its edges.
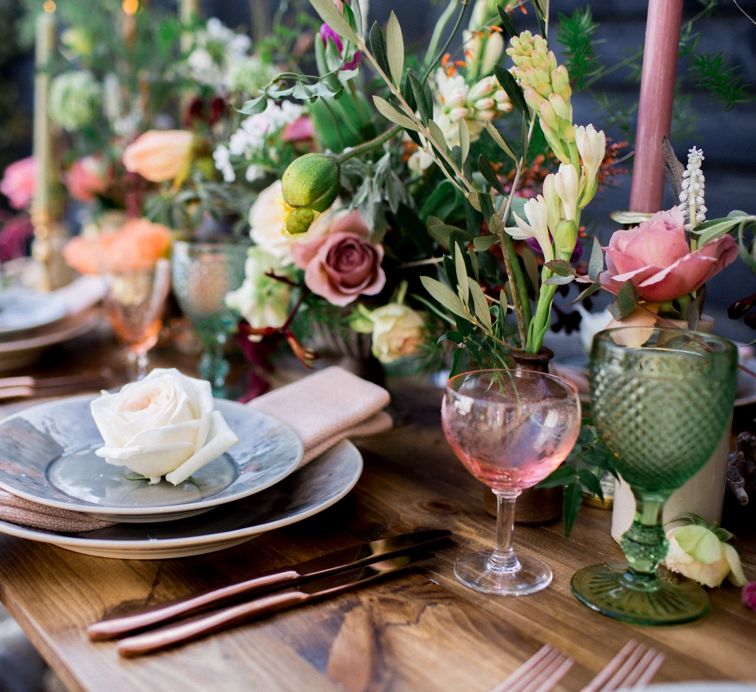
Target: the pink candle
(655, 106)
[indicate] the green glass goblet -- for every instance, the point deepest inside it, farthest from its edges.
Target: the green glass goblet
(203, 273)
(661, 401)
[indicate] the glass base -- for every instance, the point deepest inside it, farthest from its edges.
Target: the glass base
(608, 590)
(530, 576)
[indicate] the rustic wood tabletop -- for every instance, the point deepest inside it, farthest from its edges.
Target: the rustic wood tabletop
(420, 630)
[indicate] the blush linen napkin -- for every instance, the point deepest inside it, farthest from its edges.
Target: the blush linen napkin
(323, 408)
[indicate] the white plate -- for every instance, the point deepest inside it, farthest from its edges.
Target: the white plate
(47, 456)
(22, 309)
(317, 486)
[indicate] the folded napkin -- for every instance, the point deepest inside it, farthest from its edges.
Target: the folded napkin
(323, 408)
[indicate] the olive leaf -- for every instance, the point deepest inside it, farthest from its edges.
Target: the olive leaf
(392, 114)
(444, 296)
(378, 46)
(500, 141)
(423, 97)
(464, 141)
(513, 89)
(395, 48)
(482, 311)
(463, 284)
(331, 16)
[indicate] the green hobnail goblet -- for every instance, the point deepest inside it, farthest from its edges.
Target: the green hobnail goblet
(661, 408)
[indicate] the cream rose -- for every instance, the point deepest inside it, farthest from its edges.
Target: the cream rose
(398, 332)
(163, 425)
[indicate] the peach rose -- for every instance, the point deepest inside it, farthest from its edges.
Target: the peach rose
(86, 179)
(159, 155)
(656, 258)
(19, 181)
(138, 244)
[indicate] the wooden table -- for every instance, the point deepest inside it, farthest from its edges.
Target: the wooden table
(419, 631)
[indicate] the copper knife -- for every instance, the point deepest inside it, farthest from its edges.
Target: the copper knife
(180, 632)
(332, 563)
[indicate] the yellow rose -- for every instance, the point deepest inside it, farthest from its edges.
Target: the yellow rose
(398, 332)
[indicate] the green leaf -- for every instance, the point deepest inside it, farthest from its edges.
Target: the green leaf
(485, 167)
(573, 498)
(331, 16)
(575, 32)
(484, 242)
(500, 141)
(395, 48)
(482, 311)
(444, 296)
(463, 283)
(378, 46)
(593, 288)
(562, 475)
(625, 303)
(437, 136)
(513, 89)
(561, 268)
(255, 105)
(464, 142)
(589, 481)
(596, 263)
(558, 280)
(392, 114)
(424, 105)
(506, 22)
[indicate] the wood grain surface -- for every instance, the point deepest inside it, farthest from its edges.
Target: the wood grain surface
(418, 631)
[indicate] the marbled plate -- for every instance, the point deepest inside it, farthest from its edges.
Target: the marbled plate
(47, 456)
(317, 486)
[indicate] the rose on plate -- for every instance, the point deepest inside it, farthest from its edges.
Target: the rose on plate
(163, 425)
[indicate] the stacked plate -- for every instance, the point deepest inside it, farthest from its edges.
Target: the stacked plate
(31, 321)
(47, 455)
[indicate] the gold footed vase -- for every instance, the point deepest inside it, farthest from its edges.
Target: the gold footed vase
(534, 505)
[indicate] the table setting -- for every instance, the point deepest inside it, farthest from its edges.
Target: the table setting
(306, 380)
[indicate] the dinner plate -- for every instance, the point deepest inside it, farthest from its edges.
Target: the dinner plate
(22, 309)
(311, 489)
(47, 455)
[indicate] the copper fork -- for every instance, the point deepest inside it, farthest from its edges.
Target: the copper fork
(634, 666)
(540, 673)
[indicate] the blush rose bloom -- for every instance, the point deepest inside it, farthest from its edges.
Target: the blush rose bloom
(656, 258)
(163, 425)
(19, 182)
(160, 155)
(343, 264)
(86, 179)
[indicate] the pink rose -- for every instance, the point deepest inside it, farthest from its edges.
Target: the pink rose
(656, 258)
(327, 224)
(86, 179)
(299, 130)
(749, 595)
(345, 267)
(19, 181)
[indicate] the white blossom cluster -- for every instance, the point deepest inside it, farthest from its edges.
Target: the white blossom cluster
(251, 142)
(692, 196)
(216, 53)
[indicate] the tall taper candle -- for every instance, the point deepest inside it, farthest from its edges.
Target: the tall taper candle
(45, 43)
(655, 106)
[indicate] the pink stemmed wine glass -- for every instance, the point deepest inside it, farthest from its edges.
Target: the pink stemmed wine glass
(510, 429)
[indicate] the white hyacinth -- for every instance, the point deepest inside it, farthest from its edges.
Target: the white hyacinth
(692, 196)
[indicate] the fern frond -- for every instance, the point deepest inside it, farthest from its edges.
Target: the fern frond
(713, 72)
(575, 33)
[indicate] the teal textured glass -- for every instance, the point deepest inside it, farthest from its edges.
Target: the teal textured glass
(661, 409)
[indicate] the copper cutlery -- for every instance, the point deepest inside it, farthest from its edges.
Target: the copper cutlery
(344, 561)
(633, 667)
(24, 386)
(540, 673)
(202, 625)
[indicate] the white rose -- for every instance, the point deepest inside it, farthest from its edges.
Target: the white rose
(398, 331)
(698, 553)
(163, 425)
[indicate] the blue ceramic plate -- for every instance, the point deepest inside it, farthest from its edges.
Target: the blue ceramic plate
(47, 455)
(306, 492)
(22, 309)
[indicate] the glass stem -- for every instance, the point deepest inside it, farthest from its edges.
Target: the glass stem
(503, 558)
(138, 362)
(644, 543)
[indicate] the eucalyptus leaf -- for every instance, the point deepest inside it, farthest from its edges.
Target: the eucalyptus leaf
(593, 288)
(395, 48)
(625, 303)
(558, 280)
(562, 475)
(561, 268)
